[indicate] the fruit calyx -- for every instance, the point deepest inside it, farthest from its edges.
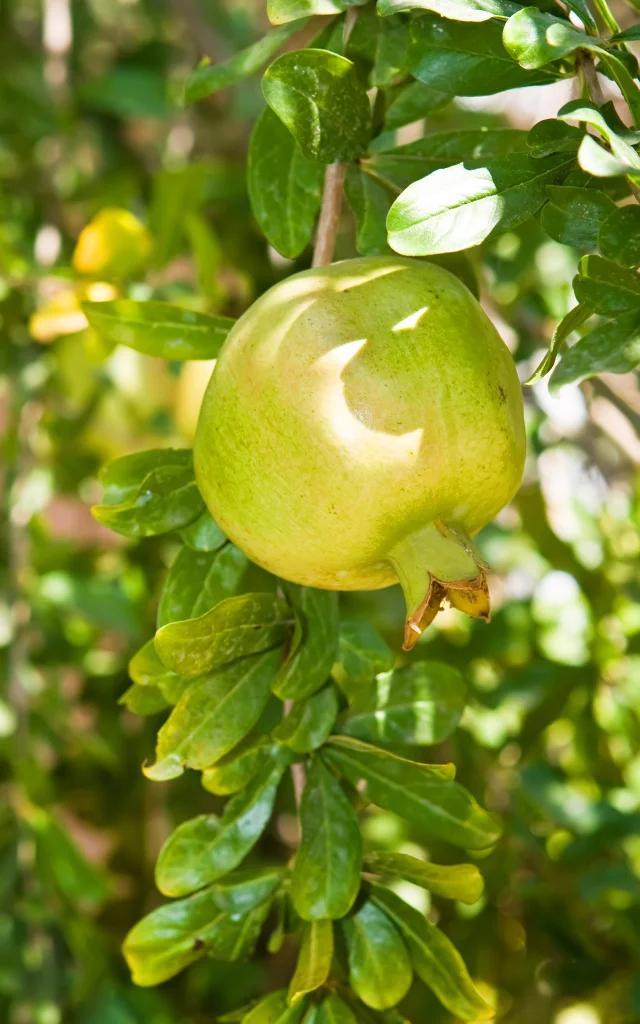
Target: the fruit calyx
(434, 564)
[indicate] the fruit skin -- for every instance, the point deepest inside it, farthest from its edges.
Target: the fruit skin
(351, 406)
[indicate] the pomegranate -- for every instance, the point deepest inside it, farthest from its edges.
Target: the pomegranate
(364, 420)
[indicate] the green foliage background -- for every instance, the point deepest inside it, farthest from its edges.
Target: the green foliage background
(550, 736)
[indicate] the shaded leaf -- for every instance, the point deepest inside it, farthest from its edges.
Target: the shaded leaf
(203, 534)
(241, 891)
(553, 136)
(314, 644)
(413, 102)
(309, 722)
(619, 236)
(361, 655)
(237, 768)
(158, 328)
(423, 794)
(167, 498)
(326, 875)
(235, 628)
(613, 347)
(280, 11)
(461, 882)
(143, 700)
(459, 10)
(198, 580)
(569, 323)
(607, 288)
(380, 970)
(534, 38)
(333, 1010)
(122, 478)
(573, 215)
(370, 203)
(275, 1009)
(314, 959)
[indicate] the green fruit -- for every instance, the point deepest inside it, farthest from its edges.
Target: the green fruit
(362, 422)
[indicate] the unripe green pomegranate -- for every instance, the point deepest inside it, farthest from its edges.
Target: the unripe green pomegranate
(363, 421)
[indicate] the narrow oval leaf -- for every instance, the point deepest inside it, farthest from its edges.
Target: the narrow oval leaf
(235, 628)
(275, 1009)
(326, 874)
(458, 10)
(168, 499)
(214, 714)
(333, 1010)
(461, 206)
(417, 792)
(175, 935)
(461, 882)
(158, 328)
(422, 703)
(573, 215)
(122, 478)
(553, 136)
(534, 38)
(380, 968)
(143, 700)
(206, 848)
(370, 203)
(361, 655)
(413, 102)
(314, 959)
(435, 958)
(236, 769)
(309, 722)
(281, 11)
(208, 78)
(569, 323)
(619, 236)
(241, 891)
(607, 288)
(198, 580)
(613, 347)
(285, 188)
(203, 534)
(588, 113)
(311, 657)
(319, 97)
(146, 669)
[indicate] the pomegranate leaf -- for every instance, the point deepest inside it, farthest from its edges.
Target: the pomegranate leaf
(198, 580)
(613, 347)
(314, 959)
(461, 882)
(309, 722)
(619, 236)
(573, 215)
(458, 10)
(535, 38)
(237, 768)
(380, 969)
(607, 288)
(314, 643)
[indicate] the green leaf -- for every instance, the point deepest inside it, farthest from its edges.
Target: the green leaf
(237, 768)
(607, 288)
(275, 1009)
(167, 498)
(422, 703)
(285, 188)
(243, 890)
(613, 347)
(309, 722)
(333, 1010)
(589, 113)
(326, 875)
(319, 97)
(616, 68)
(458, 10)
(175, 195)
(465, 59)
(582, 9)
(405, 164)
(158, 328)
(143, 700)
(198, 580)
(435, 958)
(619, 236)
(596, 160)
(569, 323)
(208, 78)
(314, 959)
(630, 35)
(214, 714)
(414, 102)
(457, 207)
(235, 628)
(461, 882)
(146, 669)
(175, 935)
(309, 662)
(423, 794)
(206, 848)
(361, 655)
(391, 53)
(573, 215)
(380, 970)
(553, 136)
(203, 534)
(535, 38)
(370, 203)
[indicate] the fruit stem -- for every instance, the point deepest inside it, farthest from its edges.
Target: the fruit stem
(435, 563)
(329, 214)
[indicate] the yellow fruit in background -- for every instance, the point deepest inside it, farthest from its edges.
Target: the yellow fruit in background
(192, 385)
(61, 312)
(113, 244)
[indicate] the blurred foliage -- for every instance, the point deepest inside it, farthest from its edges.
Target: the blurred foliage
(550, 739)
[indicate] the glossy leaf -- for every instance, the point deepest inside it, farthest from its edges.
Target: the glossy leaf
(553, 136)
(122, 478)
(275, 1009)
(206, 848)
(535, 38)
(203, 534)
(361, 655)
(413, 102)
(208, 78)
(280, 11)
(566, 327)
(380, 970)
(461, 882)
(619, 236)
(175, 195)
(144, 700)
(613, 347)
(573, 215)
(213, 716)
(241, 891)
(457, 207)
(198, 580)
(158, 328)
(326, 874)
(435, 958)
(370, 203)
(425, 795)
(333, 1010)
(146, 669)
(167, 498)
(314, 644)
(170, 938)
(285, 188)
(235, 628)
(458, 10)
(422, 703)
(465, 59)
(314, 959)
(237, 768)
(318, 96)
(607, 288)
(309, 722)
(589, 113)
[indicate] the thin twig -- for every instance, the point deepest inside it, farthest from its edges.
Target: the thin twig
(329, 214)
(587, 72)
